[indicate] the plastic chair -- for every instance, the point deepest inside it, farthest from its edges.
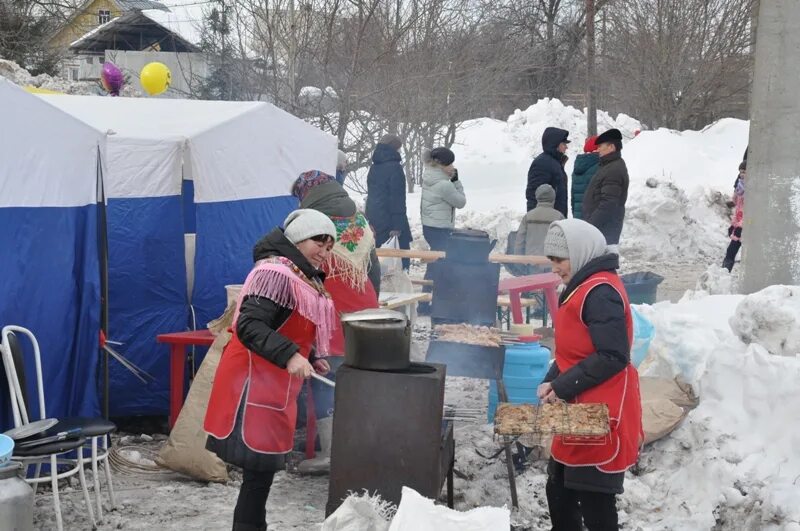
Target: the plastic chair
(88, 430)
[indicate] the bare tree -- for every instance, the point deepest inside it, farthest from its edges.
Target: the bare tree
(25, 26)
(675, 63)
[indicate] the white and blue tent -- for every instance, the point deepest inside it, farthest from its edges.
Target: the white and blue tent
(161, 168)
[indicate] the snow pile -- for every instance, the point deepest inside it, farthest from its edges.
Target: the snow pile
(715, 280)
(733, 464)
(770, 318)
(493, 156)
(684, 332)
(19, 76)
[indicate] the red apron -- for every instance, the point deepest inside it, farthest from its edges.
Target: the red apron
(270, 393)
(620, 449)
(347, 299)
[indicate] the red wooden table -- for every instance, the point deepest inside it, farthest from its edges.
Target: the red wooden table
(516, 286)
(178, 341)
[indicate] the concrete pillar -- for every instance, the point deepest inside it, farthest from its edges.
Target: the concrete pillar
(771, 234)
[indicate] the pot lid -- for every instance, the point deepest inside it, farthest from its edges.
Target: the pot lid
(374, 314)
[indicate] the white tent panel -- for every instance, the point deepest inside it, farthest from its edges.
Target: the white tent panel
(137, 167)
(257, 155)
(151, 118)
(52, 161)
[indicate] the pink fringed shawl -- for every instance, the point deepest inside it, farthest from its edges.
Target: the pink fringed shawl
(279, 280)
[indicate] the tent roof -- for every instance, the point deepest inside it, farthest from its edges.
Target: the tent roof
(151, 118)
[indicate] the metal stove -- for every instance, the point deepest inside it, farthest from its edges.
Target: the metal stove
(388, 433)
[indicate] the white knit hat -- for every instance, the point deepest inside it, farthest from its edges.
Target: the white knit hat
(306, 223)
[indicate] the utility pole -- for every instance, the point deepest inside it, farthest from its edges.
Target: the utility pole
(771, 234)
(591, 90)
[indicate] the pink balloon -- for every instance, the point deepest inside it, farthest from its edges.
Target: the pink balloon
(112, 79)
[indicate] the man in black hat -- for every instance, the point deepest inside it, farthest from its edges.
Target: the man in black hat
(605, 197)
(548, 169)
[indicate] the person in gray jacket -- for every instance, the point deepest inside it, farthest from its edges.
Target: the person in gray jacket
(533, 227)
(442, 194)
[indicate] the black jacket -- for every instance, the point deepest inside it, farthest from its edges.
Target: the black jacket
(547, 169)
(604, 315)
(333, 201)
(259, 317)
(386, 193)
(605, 197)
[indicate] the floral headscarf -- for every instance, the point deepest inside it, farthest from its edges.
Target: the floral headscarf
(309, 180)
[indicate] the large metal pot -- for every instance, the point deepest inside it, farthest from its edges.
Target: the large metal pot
(469, 246)
(377, 340)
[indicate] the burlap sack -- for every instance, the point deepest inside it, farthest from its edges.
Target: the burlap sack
(185, 451)
(665, 403)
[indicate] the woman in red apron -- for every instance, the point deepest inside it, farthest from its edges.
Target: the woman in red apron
(592, 365)
(352, 277)
(283, 312)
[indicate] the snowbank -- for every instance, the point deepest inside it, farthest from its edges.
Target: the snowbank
(18, 75)
(733, 464)
(770, 318)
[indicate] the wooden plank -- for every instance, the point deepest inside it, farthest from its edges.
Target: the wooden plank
(432, 256)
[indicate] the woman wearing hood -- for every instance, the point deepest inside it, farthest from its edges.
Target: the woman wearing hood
(282, 312)
(592, 365)
(352, 278)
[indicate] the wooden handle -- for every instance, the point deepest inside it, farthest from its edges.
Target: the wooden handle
(432, 256)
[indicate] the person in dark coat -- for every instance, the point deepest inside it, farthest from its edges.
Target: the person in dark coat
(547, 168)
(592, 365)
(605, 197)
(386, 195)
(585, 168)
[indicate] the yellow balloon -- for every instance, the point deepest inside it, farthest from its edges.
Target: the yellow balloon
(155, 78)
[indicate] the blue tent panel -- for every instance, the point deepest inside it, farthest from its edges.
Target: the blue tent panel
(189, 208)
(226, 233)
(50, 271)
(147, 297)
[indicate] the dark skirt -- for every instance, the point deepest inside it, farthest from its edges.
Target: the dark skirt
(234, 451)
(587, 478)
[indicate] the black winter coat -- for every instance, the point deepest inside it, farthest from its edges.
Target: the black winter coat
(604, 200)
(547, 169)
(604, 315)
(386, 194)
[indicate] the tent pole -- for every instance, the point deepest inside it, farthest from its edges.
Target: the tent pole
(102, 245)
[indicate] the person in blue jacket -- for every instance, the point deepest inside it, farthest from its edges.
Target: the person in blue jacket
(548, 169)
(386, 195)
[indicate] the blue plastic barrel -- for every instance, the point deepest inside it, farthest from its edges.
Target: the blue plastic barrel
(525, 367)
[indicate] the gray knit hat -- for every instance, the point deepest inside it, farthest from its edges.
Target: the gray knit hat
(545, 194)
(305, 223)
(575, 239)
(555, 243)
